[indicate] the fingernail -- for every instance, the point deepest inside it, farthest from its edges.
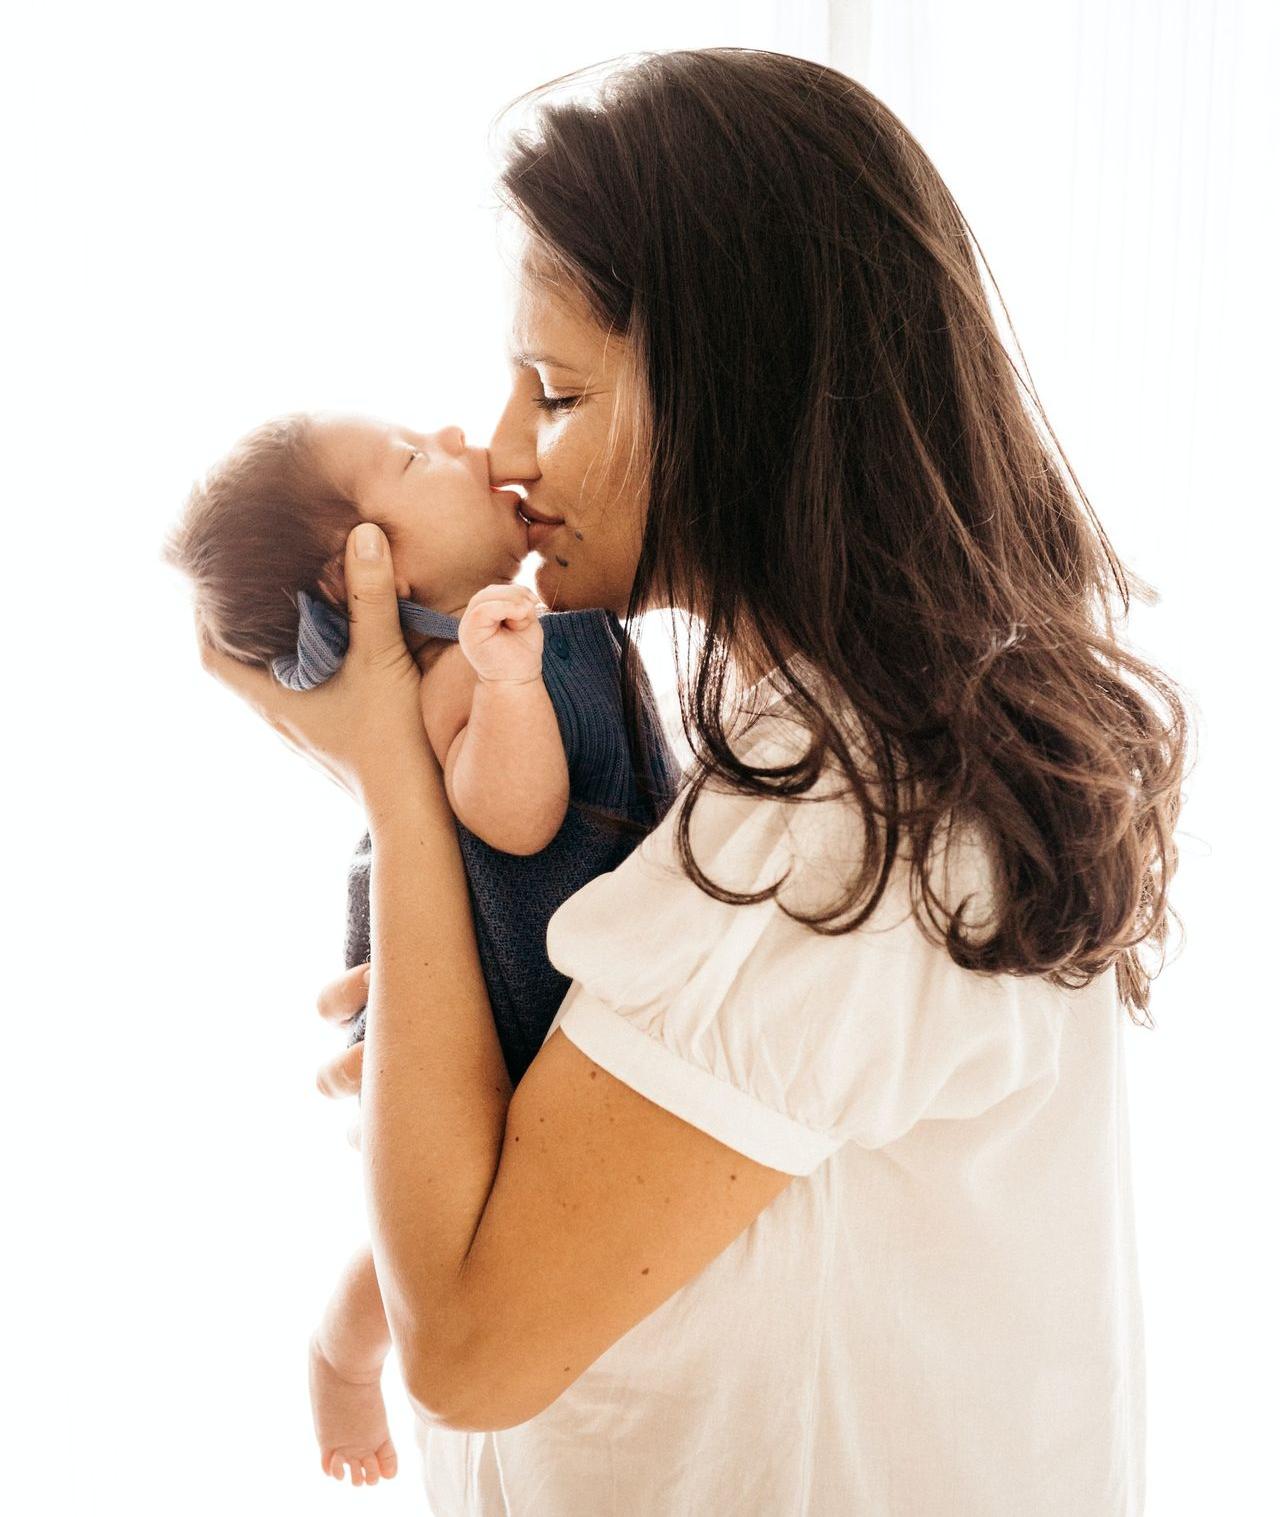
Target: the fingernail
(368, 541)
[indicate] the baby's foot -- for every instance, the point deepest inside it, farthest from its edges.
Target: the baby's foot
(351, 1424)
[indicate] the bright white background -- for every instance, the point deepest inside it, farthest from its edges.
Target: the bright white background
(220, 212)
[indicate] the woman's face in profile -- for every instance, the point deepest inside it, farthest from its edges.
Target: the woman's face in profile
(570, 435)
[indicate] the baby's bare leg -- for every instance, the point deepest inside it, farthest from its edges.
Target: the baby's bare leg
(347, 1353)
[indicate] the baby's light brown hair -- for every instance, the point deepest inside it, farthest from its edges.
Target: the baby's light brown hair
(264, 523)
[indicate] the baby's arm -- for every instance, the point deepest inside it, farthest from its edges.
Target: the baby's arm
(499, 745)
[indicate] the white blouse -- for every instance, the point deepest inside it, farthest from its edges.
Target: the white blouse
(940, 1316)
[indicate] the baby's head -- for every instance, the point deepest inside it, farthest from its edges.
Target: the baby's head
(272, 518)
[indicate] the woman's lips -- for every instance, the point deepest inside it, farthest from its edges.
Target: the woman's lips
(540, 527)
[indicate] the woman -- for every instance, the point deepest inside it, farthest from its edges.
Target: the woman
(816, 1201)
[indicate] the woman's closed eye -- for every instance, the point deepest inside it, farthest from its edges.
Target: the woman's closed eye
(556, 402)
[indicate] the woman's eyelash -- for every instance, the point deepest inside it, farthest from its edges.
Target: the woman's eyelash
(555, 402)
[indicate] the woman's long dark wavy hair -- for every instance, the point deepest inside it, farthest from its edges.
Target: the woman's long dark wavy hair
(844, 462)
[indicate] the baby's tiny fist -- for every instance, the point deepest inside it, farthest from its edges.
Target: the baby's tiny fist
(500, 634)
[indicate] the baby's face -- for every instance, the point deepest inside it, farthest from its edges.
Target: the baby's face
(451, 533)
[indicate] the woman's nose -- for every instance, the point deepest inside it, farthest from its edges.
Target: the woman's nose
(513, 454)
(452, 439)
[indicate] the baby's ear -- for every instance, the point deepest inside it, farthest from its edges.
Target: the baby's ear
(333, 582)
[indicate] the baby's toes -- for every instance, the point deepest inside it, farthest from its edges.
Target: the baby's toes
(387, 1459)
(342, 1464)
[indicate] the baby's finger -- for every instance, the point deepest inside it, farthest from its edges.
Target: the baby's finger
(519, 592)
(501, 610)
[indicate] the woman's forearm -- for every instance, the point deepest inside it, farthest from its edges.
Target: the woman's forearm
(435, 1089)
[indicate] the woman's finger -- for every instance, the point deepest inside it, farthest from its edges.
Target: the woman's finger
(341, 1076)
(342, 998)
(371, 597)
(256, 685)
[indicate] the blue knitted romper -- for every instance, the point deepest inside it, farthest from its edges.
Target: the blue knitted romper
(513, 897)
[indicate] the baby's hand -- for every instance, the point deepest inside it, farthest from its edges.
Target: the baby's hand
(500, 635)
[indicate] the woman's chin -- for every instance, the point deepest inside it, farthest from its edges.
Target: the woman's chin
(548, 577)
(558, 590)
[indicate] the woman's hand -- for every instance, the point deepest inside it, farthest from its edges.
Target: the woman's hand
(363, 726)
(339, 1002)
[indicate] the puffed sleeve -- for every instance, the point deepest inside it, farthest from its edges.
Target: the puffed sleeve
(782, 1042)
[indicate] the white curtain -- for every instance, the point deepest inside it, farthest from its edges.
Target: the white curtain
(1117, 160)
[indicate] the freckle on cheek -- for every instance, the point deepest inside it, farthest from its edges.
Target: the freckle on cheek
(563, 562)
(578, 535)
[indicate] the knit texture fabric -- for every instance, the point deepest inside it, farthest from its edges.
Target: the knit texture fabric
(513, 897)
(324, 636)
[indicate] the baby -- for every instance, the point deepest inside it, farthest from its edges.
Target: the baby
(562, 792)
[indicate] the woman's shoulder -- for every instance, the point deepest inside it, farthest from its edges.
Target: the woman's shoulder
(835, 1034)
(746, 841)
(744, 836)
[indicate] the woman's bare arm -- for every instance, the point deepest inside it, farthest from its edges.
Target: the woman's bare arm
(517, 1237)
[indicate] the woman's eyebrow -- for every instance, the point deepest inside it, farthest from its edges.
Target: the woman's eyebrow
(528, 360)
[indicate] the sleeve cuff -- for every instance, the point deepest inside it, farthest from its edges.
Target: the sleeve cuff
(704, 1100)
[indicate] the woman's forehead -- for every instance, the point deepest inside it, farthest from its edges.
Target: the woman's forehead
(550, 321)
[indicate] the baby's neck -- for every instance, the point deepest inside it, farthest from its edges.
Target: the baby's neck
(433, 647)
(431, 650)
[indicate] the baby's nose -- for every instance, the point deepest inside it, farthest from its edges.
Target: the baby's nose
(452, 439)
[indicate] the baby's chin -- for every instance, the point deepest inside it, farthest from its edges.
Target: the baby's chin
(449, 600)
